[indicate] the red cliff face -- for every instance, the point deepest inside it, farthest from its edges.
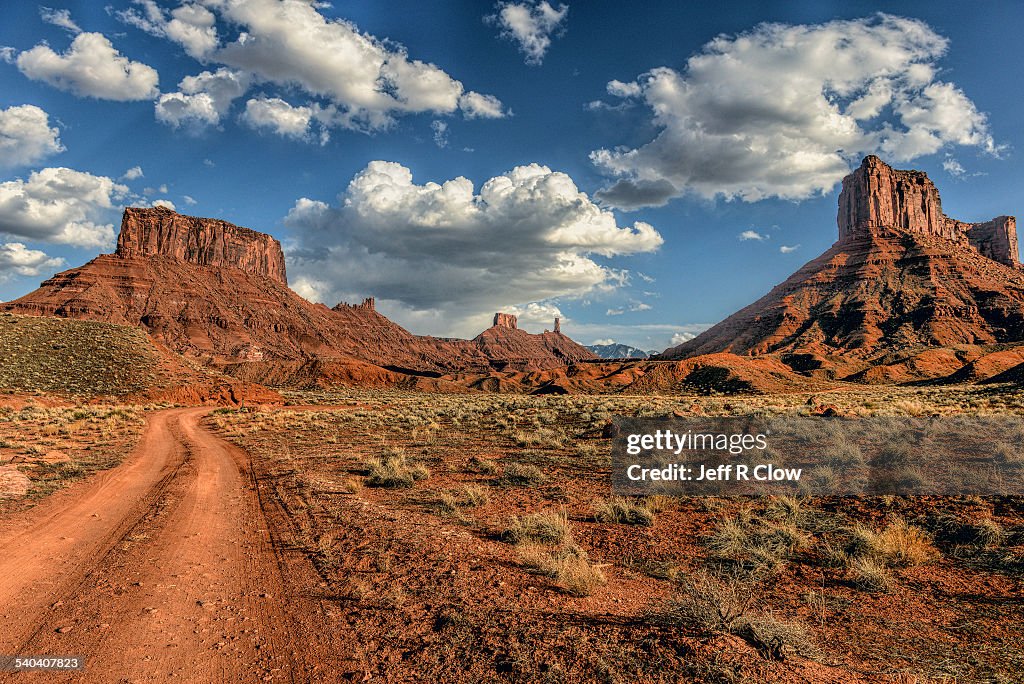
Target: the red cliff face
(206, 242)
(504, 320)
(902, 276)
(877, 198)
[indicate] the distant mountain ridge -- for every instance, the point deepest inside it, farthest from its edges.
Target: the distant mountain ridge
(619, 351)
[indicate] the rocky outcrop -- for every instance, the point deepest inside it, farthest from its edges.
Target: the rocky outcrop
(217, 293)
(504, 320)
(902, 276)
(206, 242)
(877, 198)
(995, 239)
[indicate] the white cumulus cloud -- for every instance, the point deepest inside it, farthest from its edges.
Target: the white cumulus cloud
(133, 173)
(783, 111)
(91, 67)
(277, 116)
(526, 236)
(530, 25)
(26, 136)
(191, 25)
(18, 260)
(60, 205)
(788, 249)
(202, 100)
(365, 80)
(752, 235)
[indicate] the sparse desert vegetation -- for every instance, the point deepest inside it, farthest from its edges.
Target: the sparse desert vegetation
(513, 562)
(44, 448)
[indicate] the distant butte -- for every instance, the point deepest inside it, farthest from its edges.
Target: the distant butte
(902, 276)
(218, 293)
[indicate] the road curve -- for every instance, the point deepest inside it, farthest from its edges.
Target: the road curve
(160, 569)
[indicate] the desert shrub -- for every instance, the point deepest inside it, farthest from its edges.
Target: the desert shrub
(625, 511)
(394, 470)
(549, 528)
(521, 475)
(727, 606)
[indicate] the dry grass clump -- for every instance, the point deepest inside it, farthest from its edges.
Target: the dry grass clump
(549, 528)
(545, 545)
(870, 556)
(393, 470)
(761, 543)
(898, 545)
(568, 566)
(871, 575)
(483, 466)
(471, 496)
(625, 511)
(475, 495)
(521, 475)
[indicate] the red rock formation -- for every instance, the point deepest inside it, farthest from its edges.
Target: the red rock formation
(877, 198)
(206, 242)
(505, 320)
(217, 293)
(901, 276)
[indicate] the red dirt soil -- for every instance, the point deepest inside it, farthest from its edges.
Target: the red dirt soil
(162, 568)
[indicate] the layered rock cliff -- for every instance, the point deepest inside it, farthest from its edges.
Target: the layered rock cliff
(202, 241)
(902, 276)
(877, 199)
(218, 293)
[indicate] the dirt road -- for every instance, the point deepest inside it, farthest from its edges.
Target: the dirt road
(162, 568)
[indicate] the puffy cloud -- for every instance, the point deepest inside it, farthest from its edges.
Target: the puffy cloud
(133, 173)
(202, 100)
(680, 337)
(528, 235)
(165, 203)
(18, 260)
(60, 205)
(530, 25)
(189, 200)
(782, 111)
(276, 115)
(367, 81)
(91, 67)
(61, 18)
(26, 136)
(788, 249)
(191, 25)
(751, 235)
(477, 106)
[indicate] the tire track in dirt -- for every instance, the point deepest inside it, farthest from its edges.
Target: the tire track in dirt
(164, 569)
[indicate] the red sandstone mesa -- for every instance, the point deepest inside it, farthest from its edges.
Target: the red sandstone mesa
(219, 293)
(901, 276)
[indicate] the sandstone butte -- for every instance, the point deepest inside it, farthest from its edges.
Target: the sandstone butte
(218, 293)
(904, 288)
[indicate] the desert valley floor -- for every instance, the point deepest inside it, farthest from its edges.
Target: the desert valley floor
(364, 535)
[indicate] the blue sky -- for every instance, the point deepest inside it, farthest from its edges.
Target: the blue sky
(643, 170)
